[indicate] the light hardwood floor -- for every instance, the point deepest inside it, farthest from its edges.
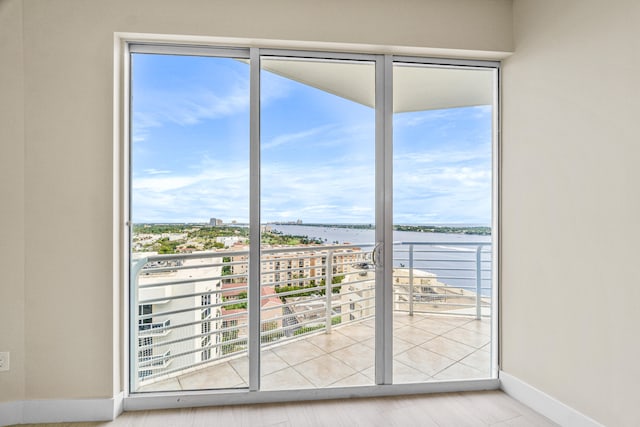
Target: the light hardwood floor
(490, 408)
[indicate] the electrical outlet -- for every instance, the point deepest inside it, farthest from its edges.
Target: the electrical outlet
(4, 360)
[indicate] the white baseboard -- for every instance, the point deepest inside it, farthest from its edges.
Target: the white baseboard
(10, 413)
(78, 410)
(60, 410)
(544, 404)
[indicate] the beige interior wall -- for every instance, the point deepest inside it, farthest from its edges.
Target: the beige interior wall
(570, 198)
(65, 158)
(11, 199)
(571, 205)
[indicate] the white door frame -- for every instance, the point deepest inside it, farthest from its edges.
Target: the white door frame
(383, 235)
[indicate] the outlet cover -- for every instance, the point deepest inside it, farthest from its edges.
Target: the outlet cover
(4, 360)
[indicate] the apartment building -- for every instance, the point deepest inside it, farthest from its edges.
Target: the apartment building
(301, 266)
(179, 310)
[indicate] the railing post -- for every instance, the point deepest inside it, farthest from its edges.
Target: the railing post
(411, 280)
(328, 288)
(478, 282)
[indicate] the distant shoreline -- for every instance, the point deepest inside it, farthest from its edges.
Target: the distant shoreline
(448, 229)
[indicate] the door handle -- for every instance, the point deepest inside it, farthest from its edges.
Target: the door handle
(376, 254)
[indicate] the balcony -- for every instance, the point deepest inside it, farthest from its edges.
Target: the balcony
(317, 325)
(154, 329)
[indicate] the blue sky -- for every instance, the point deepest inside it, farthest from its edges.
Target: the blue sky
(190, 151)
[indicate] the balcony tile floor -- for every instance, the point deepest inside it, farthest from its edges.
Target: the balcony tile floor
(426, 348)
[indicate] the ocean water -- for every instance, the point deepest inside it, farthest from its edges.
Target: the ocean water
(452, 257)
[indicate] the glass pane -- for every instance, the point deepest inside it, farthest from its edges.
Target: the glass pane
(317, 203)
(442, 186)
(190, 210)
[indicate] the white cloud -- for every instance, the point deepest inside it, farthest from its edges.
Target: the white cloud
(480, 153)
(443, 194)
(332, 189)
(164, 184)
(209, 189)
(442, 118)
(336, 186)
(156, 171)
(323, 193)
(294, 137)
(319, 193)
(412, 119)
(186, 105)
(142, 122)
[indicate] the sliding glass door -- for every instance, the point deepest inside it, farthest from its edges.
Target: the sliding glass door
(317, 185)
(304, 221)
(442, 209)
(189, 183)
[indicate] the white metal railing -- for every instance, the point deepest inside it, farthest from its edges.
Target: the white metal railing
(156, 361)
(462, 275)
(153, 328)
(202, 297)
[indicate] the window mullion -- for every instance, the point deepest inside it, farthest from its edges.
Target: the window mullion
(384, 222)
(254, 221)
